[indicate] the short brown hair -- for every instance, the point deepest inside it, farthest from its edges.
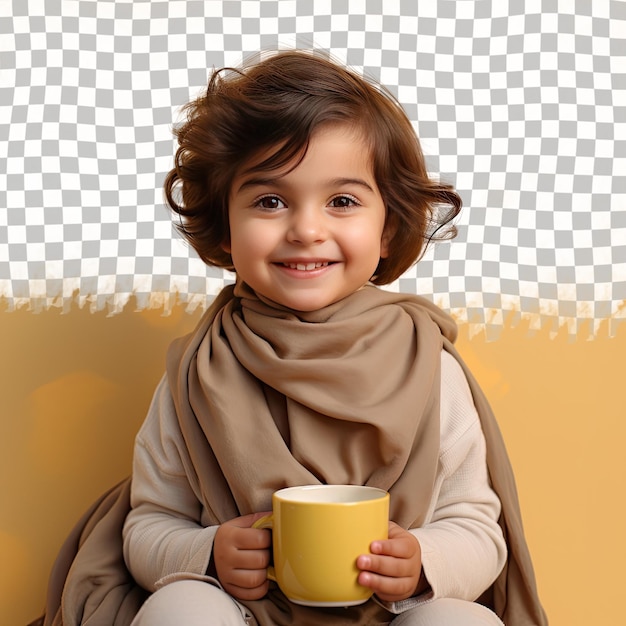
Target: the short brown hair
(279, 102)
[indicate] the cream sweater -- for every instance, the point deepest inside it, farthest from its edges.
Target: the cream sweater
(166, 534)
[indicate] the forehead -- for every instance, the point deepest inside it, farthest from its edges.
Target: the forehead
(285, 156)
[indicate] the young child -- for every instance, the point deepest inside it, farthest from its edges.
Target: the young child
(308, 182)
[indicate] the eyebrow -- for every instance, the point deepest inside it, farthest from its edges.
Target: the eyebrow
(275, 181)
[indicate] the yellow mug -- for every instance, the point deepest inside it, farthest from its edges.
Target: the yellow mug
(318, 531)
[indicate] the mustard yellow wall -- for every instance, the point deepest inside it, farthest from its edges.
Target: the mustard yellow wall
(74, 389)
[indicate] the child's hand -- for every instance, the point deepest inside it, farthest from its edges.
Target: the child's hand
(241, 556)
(393, 569)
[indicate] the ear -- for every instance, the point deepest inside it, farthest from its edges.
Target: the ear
(225, 245)
(388, 234)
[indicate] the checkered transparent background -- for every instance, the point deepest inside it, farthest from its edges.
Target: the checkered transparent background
(521, 105)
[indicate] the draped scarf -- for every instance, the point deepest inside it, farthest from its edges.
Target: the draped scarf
(267, 397)
(270, 398)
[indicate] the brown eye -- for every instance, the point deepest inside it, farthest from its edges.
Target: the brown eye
(343, 202)
(269, 203)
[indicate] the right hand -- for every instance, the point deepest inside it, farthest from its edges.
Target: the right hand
(241, 555)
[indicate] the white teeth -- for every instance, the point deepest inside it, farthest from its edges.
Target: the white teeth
(304, 267)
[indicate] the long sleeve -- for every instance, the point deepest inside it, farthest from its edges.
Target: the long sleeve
(164, 532)
(463, 549)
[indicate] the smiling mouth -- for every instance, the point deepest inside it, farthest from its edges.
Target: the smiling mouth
(306, 267)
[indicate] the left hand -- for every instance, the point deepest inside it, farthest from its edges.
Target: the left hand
(393, 569)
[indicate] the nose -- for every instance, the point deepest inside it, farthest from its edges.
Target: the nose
(307, 226)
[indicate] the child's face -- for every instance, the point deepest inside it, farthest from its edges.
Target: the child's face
(311, 236)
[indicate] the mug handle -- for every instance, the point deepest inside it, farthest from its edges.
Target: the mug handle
(267, 521)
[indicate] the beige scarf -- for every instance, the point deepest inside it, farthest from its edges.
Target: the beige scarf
(267, 398)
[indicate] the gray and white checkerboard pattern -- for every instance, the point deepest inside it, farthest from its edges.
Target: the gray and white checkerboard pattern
(521, 105)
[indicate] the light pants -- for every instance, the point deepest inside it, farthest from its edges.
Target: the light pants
(197, 603)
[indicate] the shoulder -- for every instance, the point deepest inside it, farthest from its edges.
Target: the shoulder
(458, 415)
(453, 378)
(160, 427)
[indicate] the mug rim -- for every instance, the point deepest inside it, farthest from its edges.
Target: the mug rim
(371, 493)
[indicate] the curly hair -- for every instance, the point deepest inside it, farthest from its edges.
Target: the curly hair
(277, 104)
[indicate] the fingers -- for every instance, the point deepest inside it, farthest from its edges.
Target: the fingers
(393, 568)
(386, 565)
(240, 534)
(243, 573)
(389, 589)
(400, 544)
(241, 557)
(242, 548)
(390, 578)
(247, 586)
(246, 559)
